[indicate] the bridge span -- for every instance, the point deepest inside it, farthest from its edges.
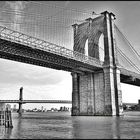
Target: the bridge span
(27, 49)
(36, 101)
(96, 84)
(21, 101)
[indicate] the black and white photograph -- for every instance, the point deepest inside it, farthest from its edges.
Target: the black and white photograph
(69, 69)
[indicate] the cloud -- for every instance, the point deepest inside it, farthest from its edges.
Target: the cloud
(38, 83)
(60, 91)
(25, 74)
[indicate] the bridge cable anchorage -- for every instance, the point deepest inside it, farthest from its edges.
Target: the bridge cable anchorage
(124, 37)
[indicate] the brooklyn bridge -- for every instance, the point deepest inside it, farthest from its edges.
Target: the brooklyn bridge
(96, 82)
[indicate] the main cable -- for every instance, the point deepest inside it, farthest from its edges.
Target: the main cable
(128, 60)
(132, 48)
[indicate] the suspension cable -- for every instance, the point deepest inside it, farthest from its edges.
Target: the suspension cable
(39, 16)
(132, 48)
(128, 60)
(38, 24)
(56, 6)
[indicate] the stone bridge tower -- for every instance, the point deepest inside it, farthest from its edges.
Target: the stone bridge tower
(20, 99)
(97, 92)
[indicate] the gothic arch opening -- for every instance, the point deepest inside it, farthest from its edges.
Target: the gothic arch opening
(86, 47)
(101, 47)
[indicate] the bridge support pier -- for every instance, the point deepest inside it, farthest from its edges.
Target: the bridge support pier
(97, 93)
(20, 108)
(75, 94)
(112, 91)
(88, 94)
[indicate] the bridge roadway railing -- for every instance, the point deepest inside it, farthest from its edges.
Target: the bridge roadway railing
(35, 43)
(36, 101)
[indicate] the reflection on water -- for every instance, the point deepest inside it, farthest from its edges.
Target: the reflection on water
(5, 133)
(96, 127)
(62, 125)
(116, 128)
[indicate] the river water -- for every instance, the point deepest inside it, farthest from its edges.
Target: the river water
(61, 125)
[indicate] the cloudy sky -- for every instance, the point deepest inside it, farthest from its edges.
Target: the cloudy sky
(44, 83)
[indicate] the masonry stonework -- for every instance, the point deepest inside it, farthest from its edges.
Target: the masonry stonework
(97, 92)
(86, 94)
(75, 94)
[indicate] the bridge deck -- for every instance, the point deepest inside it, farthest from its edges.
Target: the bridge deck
(20, 47)
(36, 101)
(130, 77)
(23, 48)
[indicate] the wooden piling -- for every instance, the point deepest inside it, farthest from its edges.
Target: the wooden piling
(2, 117)
(6, 118)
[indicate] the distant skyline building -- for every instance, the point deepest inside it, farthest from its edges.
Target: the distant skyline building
(2, 106)
(42, 108)
(14, 107)
(8, 106)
